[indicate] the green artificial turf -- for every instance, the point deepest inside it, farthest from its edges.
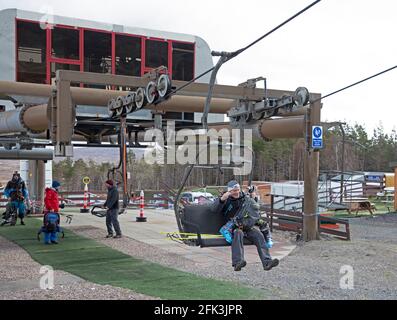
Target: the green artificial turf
(100, 264)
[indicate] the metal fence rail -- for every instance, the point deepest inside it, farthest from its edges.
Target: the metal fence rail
(287, 220)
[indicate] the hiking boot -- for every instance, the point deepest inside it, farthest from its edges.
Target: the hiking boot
(271, 264)
(240, 265)
(109, 236)
(119, 236)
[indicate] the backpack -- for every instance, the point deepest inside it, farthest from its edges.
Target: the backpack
(248, 215)
(51, 222)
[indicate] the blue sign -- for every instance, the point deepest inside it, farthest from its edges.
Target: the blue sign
(317, 137)
(374, 178)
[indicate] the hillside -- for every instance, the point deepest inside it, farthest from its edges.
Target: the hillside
(7, 168)
(100, 155)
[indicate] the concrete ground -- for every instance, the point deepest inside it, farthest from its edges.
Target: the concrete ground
(311, 271)
(161, 222)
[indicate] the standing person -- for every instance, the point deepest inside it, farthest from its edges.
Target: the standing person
(52, 218)
(243, 211)
(17, 193)
(112, 214)
(51, 198)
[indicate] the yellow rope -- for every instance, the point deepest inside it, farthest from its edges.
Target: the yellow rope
(192, 236)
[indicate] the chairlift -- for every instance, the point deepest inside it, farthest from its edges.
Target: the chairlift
(195, 219)
(197, 223)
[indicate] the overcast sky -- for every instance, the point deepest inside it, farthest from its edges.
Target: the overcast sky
(330, 46)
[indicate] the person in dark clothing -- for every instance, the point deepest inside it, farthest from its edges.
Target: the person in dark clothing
(112, 206)
(17, 194)
(244, 212)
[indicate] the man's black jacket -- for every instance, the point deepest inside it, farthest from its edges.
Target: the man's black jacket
(244, 209)
(112, 202)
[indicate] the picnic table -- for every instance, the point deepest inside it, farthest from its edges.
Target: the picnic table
(359, 204)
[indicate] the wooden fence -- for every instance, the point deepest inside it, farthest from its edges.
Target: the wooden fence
(287, 220)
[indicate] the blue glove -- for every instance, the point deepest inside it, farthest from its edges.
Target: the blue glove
(269, 244)
(226, 232)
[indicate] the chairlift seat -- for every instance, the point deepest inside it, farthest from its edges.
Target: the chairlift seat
(202, 220)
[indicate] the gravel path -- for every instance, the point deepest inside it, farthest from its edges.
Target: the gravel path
(20, 279)
(312, 271)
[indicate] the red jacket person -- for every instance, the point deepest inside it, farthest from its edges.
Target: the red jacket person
(51, 199)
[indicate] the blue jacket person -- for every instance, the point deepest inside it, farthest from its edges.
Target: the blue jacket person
(17, 193)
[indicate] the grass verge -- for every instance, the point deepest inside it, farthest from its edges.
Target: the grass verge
(103, 265)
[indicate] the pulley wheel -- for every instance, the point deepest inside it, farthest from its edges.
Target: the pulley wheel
(119, 106)
(151, 92)
(140, 98)
(119, 111)
(120, 102)
(302, 96)
(111, 108)
(130, 102)
(163, 85)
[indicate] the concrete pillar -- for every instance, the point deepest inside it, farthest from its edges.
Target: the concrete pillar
(24, 170)
(40, 185)
(31, 182)
(36, 184)
(48, 174)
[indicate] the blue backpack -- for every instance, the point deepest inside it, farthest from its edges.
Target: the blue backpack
(51, 222)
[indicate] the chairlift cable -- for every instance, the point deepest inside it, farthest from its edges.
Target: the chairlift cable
(276, 28)
(224, 57)
(355, 84)
(238, 52)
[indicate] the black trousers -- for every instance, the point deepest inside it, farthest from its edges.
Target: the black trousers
(112, 221)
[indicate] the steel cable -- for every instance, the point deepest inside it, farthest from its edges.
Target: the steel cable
(238, 52)
(355, 84)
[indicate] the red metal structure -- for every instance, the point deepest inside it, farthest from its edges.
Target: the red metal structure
(152, 51)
